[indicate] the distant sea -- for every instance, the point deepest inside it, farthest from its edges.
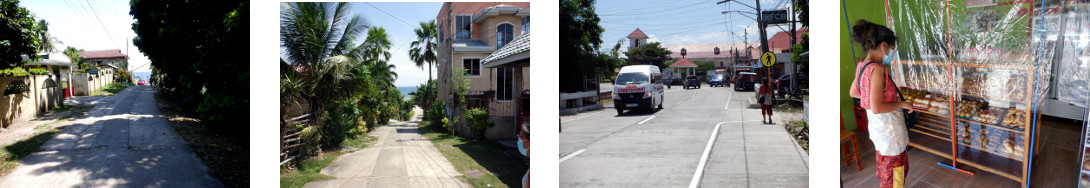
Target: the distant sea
(141, 75)
(405, 91)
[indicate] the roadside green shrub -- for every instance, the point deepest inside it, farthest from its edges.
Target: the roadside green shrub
(435, 115)
(479, 119)
(38, 71)
(341, 120)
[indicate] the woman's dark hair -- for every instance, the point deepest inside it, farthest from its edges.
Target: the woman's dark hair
(871, 34)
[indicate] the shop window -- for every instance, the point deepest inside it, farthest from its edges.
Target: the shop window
(464, 27)
(504, 34)
(472, 66)
(505, 83)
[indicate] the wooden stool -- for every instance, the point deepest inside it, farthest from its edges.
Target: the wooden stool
(853, 154)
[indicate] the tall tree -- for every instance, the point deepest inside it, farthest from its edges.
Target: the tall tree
(315, 36)
(649, 54)
(423, 49)
(198, 50)
(580, 38)
(20, 34)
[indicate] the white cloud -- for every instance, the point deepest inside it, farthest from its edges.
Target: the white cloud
(652, 38)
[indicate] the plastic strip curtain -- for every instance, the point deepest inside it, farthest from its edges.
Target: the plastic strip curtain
(982, 61)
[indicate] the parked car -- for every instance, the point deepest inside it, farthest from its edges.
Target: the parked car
(745, 81)
(783, 83)
(638, 87)
(718, 80)
(691, 82)
(141, 82)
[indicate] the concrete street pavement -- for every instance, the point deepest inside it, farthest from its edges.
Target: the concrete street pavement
(401, 157)
(123, 142)
(665, 148)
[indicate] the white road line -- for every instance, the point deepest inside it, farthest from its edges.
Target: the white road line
(645, 120)
(572, 155)
(704, 158)
(729, 97)
(581, 117)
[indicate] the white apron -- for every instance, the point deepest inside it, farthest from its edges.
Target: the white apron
(888, 132)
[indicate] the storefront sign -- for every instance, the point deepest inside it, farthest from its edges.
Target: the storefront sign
(774, 16)
(93, 71)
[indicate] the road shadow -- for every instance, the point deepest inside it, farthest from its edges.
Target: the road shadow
(126, 148)
(640, 112)
(505, 163)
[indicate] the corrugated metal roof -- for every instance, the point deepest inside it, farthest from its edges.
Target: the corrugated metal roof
(520, 44)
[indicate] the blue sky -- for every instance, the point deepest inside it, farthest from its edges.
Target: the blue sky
(400, 34)
(681, 22)
(399, 20)
(90, 25)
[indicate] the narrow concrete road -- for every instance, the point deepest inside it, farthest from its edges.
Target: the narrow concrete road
(670, 147)
(401, 157)
(123, 142)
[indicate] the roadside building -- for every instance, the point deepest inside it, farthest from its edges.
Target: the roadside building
(113, 59)
(469, 32)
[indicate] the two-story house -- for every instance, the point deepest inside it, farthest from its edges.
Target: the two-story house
(469, 32)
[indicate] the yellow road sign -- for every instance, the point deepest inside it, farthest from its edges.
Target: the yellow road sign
(768, 59)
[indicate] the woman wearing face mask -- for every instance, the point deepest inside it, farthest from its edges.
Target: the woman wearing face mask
(879, 96)
(524, 149)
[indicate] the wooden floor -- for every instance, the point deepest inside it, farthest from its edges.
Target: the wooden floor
(1056, 165)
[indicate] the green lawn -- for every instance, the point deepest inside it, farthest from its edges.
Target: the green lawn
(308, 169)
(111, 89)
(483, 164)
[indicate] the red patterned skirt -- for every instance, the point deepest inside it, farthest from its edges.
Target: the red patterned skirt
(892, 170)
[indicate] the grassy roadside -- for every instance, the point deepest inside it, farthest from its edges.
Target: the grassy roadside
(308, 169)
(226, 156)
(110, 89)
(482, 164)
(792, 127)
(12, 153)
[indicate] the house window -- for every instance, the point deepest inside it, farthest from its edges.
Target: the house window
(504, 33)
(464, 27)
(472, 66)
(442, 31)
(505, 83)
(637, 43)
(526, 23)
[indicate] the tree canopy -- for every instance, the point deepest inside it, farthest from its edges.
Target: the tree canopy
(580, 38)
(20, 34)
(199, 50)
(649, 54)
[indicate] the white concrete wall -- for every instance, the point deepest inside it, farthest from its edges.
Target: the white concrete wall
(26, 105)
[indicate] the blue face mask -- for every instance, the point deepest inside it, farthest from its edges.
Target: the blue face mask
(888, 58)
(522, 150)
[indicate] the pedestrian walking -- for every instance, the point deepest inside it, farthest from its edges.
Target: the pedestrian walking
(879, 96)
(764, 97)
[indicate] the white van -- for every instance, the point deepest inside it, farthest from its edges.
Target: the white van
(638, 87)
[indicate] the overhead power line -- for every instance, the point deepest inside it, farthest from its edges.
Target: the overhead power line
(112, 41)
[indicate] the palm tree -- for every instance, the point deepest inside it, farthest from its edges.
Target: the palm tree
(312, 31)
(423, 49)
(317, 36)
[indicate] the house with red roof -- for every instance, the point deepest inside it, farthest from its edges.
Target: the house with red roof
(109, 58)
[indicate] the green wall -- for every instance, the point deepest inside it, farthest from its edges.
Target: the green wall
(870, 10)
(874, 11)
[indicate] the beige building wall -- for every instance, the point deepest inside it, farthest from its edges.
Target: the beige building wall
(488, 27)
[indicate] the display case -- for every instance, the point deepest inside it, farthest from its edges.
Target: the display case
(976, 72)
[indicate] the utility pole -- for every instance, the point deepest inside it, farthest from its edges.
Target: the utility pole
(761, 28)
(794, 80)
